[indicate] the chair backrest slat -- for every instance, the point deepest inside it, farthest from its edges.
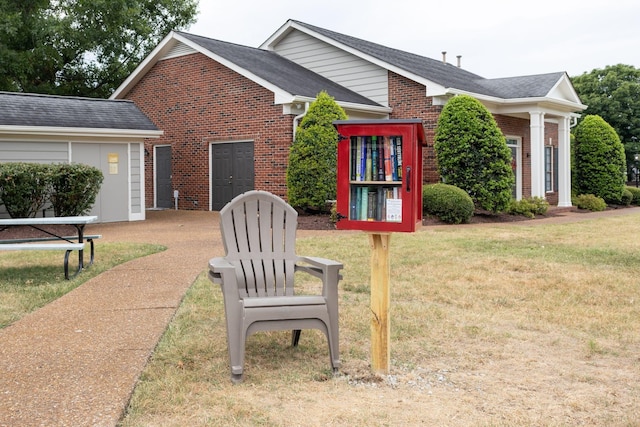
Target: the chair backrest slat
(258, 231)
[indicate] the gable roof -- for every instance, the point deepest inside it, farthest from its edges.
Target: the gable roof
(27, 110)
(289, 81)
(279, 71)
(427, 70)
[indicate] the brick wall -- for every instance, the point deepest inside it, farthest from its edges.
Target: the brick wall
(409, 101)
(197, 101)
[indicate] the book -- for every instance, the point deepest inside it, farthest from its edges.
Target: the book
(367, 167)
(364, 199)
(398, 141)
(371, 204)
(374, 158)
(387, 160)
(363, 156)
(353, 206)
(353, 162)
(380, 203)
(380, 165)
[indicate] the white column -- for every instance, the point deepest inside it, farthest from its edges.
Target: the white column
(564, 162)
(537, 154)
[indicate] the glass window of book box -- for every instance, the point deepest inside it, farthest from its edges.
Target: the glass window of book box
(379, 175)
(376, 178)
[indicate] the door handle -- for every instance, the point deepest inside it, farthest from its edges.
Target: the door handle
(408, 178)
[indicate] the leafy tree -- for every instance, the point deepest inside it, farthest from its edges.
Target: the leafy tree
(311, 174)
(81, 47)
(600, 164)
(472, 153)
(613, 93)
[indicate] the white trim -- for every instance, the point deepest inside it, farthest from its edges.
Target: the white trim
(564, 162)
(536, 125)
(142, 215)
(519, 168)
(155, 173)
(79, 132)
(289, 25)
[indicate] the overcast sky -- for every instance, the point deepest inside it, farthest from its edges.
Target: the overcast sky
(496, 38)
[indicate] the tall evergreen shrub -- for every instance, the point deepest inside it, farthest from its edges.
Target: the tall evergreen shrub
(24, 188)
(311, 173)
(74, 188)
(599, 160)
(472, 153)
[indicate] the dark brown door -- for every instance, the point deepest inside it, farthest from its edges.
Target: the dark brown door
(232, 172)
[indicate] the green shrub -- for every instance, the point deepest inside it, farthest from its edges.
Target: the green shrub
(529, 207)
(627, 197)
(590, 202)
(472, 153)
(24, 188)
(311, 172)
(599, 160)
(635, 193)
(74, 188)
(447, 203)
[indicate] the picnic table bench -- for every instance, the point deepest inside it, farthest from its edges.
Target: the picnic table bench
(67, 243)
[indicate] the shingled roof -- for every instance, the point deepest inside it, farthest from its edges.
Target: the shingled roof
(35, 110)
(445, 74)
(279, 71)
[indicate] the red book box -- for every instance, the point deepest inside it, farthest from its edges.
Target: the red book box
(379, 175)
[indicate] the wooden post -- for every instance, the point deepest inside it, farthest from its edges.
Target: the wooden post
(380, 298)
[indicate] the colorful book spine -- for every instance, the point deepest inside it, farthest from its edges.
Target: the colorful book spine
(367, 165)
(387, 159)
(364, 199)
(353, 203)
(394, 164)
(358, 156)
(353, 164)
(399, 157)
(374, 159)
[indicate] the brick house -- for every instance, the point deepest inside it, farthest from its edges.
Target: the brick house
(229, 112)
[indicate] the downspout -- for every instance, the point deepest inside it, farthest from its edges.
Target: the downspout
(297, 118)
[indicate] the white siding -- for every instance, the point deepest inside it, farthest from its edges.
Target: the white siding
(179, 49)
(34, 152)
(136, 178)
(335, 64)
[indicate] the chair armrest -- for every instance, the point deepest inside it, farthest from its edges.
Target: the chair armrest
(325, 269)
(318, 267)
(220, 270)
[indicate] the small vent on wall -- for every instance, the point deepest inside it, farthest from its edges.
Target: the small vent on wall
(180, 49)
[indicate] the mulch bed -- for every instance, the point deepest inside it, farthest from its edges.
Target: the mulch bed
(322, 221)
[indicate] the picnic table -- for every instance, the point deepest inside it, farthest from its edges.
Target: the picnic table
(67, 243)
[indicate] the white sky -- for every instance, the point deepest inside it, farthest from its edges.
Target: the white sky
(496, 38)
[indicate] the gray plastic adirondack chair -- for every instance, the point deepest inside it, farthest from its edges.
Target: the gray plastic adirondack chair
(257, 277)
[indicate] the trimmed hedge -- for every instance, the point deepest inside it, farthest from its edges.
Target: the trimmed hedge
(529, 207)
(472, 153)
(599, 163)
(27, 188)
(74, 188)
(635, 193)
(311, 171)
(24, 188)
(590, 202)
(447, 203)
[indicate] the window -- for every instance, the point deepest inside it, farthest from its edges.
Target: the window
(549, 169)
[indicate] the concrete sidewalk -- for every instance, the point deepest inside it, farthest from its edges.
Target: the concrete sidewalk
(76, 361)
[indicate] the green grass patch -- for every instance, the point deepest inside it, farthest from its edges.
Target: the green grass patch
(31, 279)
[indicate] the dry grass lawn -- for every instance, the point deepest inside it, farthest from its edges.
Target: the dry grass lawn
(497, 325)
